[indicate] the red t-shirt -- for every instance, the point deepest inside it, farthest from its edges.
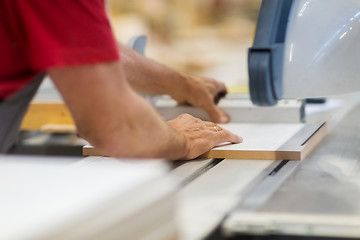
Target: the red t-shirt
(38, 34)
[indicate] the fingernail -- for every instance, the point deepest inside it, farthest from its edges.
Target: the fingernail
(240, 139)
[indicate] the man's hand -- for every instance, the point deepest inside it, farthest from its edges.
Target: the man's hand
(200, 136)
(116, 120)
(204, 93)
(149, 77)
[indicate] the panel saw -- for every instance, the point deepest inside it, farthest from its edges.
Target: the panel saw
(302, 48)
(297, 53)
(306, 48)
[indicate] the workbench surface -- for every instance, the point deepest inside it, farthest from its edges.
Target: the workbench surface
(221, 198)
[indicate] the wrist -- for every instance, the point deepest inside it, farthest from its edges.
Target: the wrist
(181, 88)
(178, 148)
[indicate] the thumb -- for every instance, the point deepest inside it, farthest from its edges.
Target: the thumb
(216, 114)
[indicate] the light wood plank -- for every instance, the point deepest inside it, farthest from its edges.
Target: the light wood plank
(270, 141)
(89, 150)
(44, 114)
(262, 141)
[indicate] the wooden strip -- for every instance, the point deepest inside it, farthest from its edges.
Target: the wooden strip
(254, 155)
(40, 114)
(91, 151)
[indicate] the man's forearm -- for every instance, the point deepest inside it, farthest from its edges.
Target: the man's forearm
(114, 118)
(150, 77)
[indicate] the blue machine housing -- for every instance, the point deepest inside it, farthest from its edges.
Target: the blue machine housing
(265, 57)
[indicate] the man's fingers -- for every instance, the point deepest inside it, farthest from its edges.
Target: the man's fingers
(200, 136)
(209, 124)
(223, 134)
(215, 128)
(216, 114)
(219, 96)
(221, 87)
(219, 92)
(227, 136)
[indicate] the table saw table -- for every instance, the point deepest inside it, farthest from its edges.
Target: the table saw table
(266, 199)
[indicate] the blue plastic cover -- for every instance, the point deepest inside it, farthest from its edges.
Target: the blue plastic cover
(138, 43)
(265, 57)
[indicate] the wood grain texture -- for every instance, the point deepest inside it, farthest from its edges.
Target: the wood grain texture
(42, 114)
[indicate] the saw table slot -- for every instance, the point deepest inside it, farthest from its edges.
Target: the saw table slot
(278, 167)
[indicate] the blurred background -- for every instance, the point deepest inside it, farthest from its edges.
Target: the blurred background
(203, 37)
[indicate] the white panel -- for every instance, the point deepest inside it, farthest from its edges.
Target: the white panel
(260, 137)
(322, 55)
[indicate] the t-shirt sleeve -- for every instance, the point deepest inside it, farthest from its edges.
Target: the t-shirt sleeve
(62, 33)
